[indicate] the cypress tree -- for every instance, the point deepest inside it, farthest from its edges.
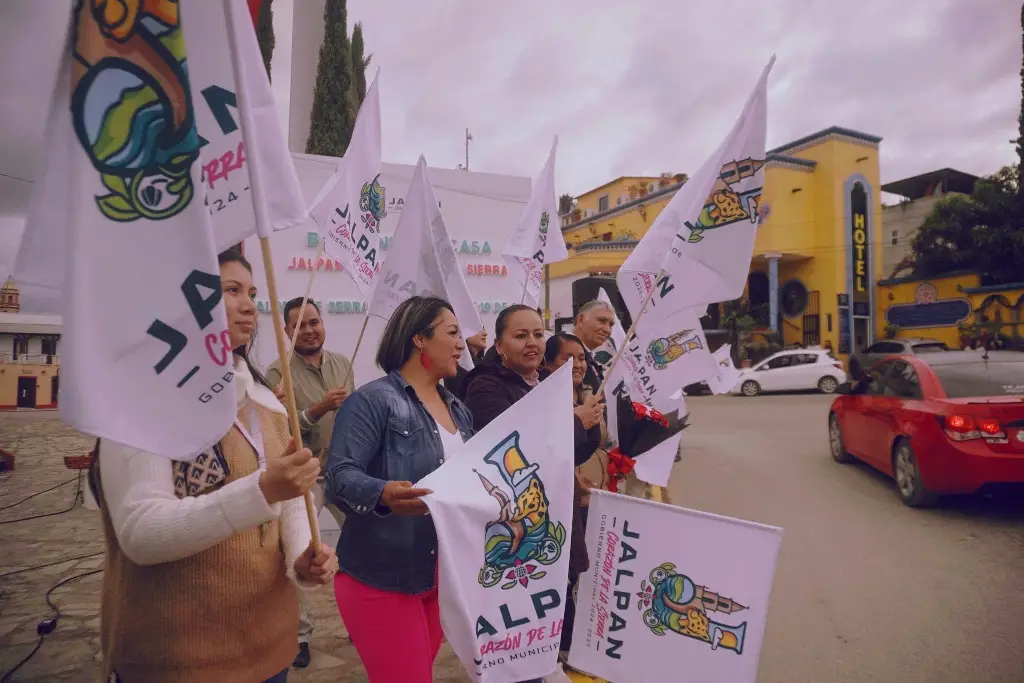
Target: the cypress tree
(359, 64)
(333, 114)
(265, 32)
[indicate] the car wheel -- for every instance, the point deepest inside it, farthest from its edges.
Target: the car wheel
(908, 477)
(835, 441)
(750, 388)
(828, 384)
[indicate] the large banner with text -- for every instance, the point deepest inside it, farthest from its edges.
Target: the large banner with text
(672, 594)
(480, 211)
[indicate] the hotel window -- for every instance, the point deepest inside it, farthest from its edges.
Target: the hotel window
(602, 203)
(895, 237)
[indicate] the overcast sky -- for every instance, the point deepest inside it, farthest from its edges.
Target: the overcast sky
(643, 88)
(639, 88)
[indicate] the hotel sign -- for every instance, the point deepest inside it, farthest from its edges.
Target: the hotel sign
(860, 244)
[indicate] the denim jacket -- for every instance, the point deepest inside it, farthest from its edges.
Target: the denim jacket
(384, 433)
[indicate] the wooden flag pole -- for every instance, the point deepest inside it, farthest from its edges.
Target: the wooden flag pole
(656, 491)
(629, 333)
(286, 375)
(256, 182)
(305, 299)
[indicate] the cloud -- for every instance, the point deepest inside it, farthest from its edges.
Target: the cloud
(630, 89)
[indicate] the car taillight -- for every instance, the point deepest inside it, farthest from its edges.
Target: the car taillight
(967, 427)
(837, 365)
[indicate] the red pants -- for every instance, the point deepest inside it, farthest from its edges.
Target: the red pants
(396, 635)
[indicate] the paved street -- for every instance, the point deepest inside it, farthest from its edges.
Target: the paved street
(867, 590)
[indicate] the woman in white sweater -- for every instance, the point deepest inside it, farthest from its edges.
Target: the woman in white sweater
(203, 556)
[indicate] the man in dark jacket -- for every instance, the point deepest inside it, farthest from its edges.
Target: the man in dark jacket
(594, 327)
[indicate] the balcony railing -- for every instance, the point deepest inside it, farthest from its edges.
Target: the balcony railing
(621, 245)
(30, 359)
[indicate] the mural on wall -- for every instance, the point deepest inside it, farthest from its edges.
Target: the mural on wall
(928, 310)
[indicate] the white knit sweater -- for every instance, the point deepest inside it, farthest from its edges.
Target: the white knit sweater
(154, 526)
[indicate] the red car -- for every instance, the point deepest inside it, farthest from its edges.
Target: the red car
(940, 423)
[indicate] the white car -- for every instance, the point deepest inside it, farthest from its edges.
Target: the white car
(796, 370)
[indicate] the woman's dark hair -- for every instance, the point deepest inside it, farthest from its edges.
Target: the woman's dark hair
(234, 255)
(554, 345)
(502, 322)
(415, 315)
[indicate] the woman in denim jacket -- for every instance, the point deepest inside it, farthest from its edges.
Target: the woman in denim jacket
(387, 435)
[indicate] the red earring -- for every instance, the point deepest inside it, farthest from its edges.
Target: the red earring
(425, 360)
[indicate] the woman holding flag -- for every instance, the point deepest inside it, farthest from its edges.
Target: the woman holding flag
(388, 434)
(202, 556)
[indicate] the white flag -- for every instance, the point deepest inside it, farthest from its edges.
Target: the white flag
(146, 345)
(702, 242)
(350, 208)
(502, 507)
(655, 465)
(246, 167)
(421, 261)
(672, 594)
(605, 353)
(537, 239)
(653, 368)
(727, 376)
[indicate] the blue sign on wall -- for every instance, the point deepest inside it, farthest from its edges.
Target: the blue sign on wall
(942, 313)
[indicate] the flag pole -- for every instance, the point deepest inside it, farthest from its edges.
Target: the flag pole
(629, 333)
(256, 182)
(286, 371)
(526, 284)
(305, 300)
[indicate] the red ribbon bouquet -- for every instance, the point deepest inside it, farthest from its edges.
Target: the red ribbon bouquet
(641, 428)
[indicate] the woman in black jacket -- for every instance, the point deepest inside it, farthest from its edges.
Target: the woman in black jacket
(493, 387)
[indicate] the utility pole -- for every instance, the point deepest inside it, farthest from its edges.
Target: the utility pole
(468, 138)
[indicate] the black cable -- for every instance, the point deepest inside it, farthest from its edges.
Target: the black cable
(39, 493)
(51, 564)
(49, 625)
(74, 502)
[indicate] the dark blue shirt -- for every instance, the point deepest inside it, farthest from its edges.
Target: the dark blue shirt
(384, 433)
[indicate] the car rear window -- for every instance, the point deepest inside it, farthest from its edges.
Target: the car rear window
(931, 347)
(982, 379)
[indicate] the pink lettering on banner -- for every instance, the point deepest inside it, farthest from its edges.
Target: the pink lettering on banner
(507, 644)
(225, 347)
(223, 166)
(602, 617)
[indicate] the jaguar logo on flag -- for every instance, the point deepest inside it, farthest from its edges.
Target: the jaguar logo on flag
(664, 350)
(523, 537)
(727, 203)
(675, 603)
(373, 203)
(131, 107)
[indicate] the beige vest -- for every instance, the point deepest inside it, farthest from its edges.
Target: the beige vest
(225, 615)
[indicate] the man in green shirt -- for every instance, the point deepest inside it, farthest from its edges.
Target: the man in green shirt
(322, 380)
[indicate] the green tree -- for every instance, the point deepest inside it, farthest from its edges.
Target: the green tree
(265, 32)
(359, 65)
(333, 114)
(976, 232)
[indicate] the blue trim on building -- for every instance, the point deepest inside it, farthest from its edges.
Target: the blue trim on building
(832, 130)
(918, 278)
(797, 161)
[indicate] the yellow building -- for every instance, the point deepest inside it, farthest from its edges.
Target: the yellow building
(818, 253)
(29, 360)
(954, 308)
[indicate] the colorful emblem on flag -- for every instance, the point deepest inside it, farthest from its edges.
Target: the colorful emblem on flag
(664, 350)
(727, 204)
(372, 203)
(131, 107)
(675, 603)
(523, 537)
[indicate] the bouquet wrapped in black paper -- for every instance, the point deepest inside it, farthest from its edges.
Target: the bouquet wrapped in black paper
(640, 429)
